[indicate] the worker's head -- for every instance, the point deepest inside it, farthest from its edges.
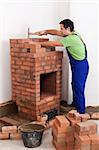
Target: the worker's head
(66, 26)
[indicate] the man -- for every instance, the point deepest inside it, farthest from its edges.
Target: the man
(77, 53)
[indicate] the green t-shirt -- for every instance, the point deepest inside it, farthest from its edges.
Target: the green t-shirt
(74, 45)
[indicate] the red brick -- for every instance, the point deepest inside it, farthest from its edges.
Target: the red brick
(85, 117)
(95, 115)
(73, 122)
(77, 116)
(15, 136)
(59, 145)
(43, 118)
(63, 146)
(70, 135)
(59, 140)
(62, 121)
(58, 135)
(59, 129)
(88, 127)
(9, 129)
(94, 142)
(82, 142)
(71, 113)
(4, 136)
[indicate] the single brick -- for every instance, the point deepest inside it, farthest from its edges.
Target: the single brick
(82, 142)
(62, 121)
(87, 127)
(4, 136)
(77, 116)
(71, 113)
(95, 115)
(94, 142)
(59, 129)
(69, 136)
(58, 135)
(59, 145)
(15, 136)
(73, 122)
(59, 140)
(9, 129)
(85, 117)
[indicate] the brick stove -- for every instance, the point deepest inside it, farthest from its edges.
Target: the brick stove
(36, 74)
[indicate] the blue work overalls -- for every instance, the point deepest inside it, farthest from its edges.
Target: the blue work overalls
(80, 69)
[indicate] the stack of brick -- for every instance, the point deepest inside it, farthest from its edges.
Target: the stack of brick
(36, 77)
(76, 133)
(10, 132)
(74, 117)
(86, 136)
(63, 134)
(85, 130)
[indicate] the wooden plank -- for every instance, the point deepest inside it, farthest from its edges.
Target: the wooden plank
(10, 121)
(8, 108)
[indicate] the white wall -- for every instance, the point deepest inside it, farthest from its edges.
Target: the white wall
(85, 15)
(98, 57)
(15, 18)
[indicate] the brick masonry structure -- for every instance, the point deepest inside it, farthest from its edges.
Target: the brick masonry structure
(36, 74)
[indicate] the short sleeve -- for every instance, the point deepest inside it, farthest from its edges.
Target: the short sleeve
(66, 42)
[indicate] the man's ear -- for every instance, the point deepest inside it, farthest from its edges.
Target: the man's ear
(68, 28)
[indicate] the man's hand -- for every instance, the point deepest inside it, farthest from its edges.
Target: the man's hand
(43, 32)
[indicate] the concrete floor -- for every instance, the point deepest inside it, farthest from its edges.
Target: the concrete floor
(46, 142)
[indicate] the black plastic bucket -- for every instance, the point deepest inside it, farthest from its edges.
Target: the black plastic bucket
(32, 134)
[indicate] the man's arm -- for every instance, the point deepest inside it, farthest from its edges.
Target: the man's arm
(45, 32)
(54, 32)
(51, 43)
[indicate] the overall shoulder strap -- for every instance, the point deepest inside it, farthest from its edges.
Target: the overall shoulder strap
(83, 43)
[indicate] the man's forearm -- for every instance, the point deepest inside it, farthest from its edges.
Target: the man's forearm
(51, 43)
(54, 32)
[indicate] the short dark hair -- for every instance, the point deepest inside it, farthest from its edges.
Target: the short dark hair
(67, 23)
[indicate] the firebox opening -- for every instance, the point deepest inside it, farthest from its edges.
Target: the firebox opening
(48, 84)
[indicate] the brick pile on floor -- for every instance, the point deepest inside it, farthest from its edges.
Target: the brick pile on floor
(63, 133)
(75, 132)
(86, 137)
(10, 132)
(9, 127)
